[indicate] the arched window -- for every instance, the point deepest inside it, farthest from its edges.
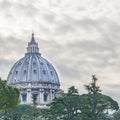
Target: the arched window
(45, 97)
(24, 97)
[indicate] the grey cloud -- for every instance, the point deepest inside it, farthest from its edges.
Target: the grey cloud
(5, 4)
(113, 87)
(27, 10)
(5, 66)
(23, 10)
(64, 29)
(5, 62)
(71, 62)
(10, 45)
(50, 17)
(114, 94)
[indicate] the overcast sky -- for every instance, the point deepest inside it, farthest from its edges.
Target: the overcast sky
(79, 37)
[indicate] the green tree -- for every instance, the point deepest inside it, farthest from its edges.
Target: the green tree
(65, 107)
(94, 103)
(116, 115)
(105, 116)
(72, 106)
(9, 96)
(33, 113)
(34, 98)
(16, 112)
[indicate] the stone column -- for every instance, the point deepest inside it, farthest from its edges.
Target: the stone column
(29, 97)
(51, 95)
(41, 92)
(21, 98)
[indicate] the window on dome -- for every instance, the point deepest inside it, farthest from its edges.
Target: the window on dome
(34, 71)
(16, 72)
(52, 80)
(41, 63)
(24, 97)
(25, 72)
(34, 63)
(44, 72)
(51, 72)
(20, 63)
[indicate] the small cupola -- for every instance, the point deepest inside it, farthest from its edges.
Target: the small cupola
(32, 46)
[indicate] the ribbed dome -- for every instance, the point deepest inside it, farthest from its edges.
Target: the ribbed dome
(33, 68)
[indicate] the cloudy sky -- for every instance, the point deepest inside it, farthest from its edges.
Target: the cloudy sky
(79, 37)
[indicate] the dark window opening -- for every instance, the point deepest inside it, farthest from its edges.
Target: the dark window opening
(44, 72)
(41, 63)
(24, 97)
(34, 63)
(45, 97)
(16, 72)
(15, 80)
(34, 71)
(51, 72)
(25, 71)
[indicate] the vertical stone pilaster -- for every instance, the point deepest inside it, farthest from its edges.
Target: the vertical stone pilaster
(39, 96)
(41, 92)
(51, 95)
(29, 97)
(21, 99)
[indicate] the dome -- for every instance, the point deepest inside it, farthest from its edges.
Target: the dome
(33, 68)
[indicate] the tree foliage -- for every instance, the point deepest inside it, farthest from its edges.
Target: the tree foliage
(65, 107)
(32, 114)
(116, 115)
(16, 112)
(96, 104)
(103, 105)
(72, 106)
(9, 96)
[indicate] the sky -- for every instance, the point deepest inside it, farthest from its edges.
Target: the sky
(79, 37)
